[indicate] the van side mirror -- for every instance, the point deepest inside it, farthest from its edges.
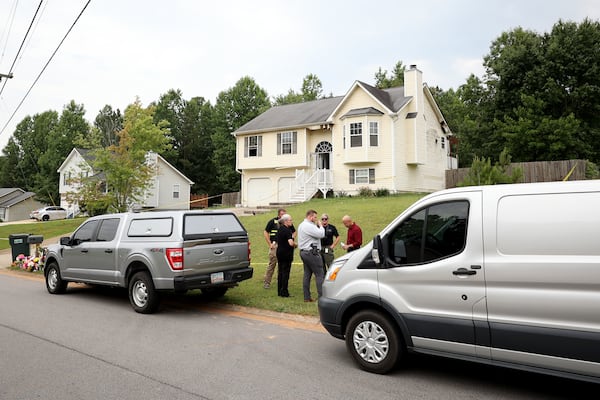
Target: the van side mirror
(377, 252)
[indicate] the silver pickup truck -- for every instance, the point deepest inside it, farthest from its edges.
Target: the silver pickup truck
(149, 252)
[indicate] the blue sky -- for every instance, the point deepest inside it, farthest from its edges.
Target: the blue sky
(122, 49)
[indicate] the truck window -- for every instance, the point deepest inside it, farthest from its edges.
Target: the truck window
(433, 233)
(201, 225)
(151, 227)
(85, 232)
(108, 230)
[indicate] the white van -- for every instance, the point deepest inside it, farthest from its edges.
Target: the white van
(507, 275)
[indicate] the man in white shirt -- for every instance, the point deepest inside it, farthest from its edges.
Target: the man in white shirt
(310, 233)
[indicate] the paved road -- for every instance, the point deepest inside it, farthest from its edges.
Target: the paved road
(89, 344)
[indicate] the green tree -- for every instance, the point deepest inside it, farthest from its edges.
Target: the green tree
(396, 78)
(482, 172)
(61, 138)
(108, 122)
(312, 89)
(124, 164)
(233, 108)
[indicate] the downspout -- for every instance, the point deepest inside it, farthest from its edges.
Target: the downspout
(394, 161)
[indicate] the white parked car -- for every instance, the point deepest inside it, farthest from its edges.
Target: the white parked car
(48, 213)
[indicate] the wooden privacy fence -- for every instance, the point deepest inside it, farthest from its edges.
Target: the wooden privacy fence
(536, 171)
(198, 201)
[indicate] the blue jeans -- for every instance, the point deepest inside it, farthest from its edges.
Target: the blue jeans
(313, 264)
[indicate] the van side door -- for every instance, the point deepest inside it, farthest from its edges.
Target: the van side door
(433, 274)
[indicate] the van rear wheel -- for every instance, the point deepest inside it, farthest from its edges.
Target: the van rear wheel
(142, 295)
(373, 341)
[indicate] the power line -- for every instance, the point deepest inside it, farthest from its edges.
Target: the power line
(21, 46)
(11, 18)
(45, 66)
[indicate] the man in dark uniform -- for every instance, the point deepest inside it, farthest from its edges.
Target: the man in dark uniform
(328, 243)
(270, 234)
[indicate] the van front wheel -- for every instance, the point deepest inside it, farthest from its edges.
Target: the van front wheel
(373, 342)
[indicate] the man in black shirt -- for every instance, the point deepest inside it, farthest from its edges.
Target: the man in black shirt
(328, 243)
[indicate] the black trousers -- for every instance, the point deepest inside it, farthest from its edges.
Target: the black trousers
(283, 276)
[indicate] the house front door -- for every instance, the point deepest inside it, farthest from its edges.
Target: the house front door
(323, 155)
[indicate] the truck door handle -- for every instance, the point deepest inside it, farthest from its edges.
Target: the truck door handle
(464, 271)
(84, 250)
(108, 251)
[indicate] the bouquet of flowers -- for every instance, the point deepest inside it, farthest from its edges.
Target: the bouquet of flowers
(30, 263)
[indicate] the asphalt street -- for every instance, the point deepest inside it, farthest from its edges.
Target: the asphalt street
(90, 344)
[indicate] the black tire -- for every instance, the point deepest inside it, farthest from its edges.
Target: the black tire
(45, 217)
(214, 292)
(142, 295)
(54, 283)
(373, 341)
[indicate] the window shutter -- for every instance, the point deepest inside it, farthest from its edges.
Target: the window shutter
(371, 175)
(246, 139)
(351, 176)
(259, 146)
(279, 143)
(294, 140)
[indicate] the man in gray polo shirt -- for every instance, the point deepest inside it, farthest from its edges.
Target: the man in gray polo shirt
(310, 233)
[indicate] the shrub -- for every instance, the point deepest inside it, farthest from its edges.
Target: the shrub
(365, 192)
(382, 192)
(341, 193)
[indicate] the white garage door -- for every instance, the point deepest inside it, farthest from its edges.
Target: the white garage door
(259, 192)
(285, 189)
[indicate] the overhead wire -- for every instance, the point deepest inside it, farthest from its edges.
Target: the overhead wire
(21, 46)
(11, 18)
(44, 68)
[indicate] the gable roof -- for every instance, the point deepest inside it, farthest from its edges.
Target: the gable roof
(321, 111)
(292, 115)
(5, 203)
(177, 172)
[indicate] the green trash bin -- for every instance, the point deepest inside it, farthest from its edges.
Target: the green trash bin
(19, 244)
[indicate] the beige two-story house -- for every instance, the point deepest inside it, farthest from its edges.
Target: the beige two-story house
(394, 139)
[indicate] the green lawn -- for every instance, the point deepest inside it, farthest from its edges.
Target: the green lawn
(48, 229)
(371, 214)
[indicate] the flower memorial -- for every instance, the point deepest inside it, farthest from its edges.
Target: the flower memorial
(31, 263)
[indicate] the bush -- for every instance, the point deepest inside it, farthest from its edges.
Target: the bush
(341, 193)
(382, 192)
(365, 192)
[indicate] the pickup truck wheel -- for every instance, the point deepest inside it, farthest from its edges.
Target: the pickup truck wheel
(54, 282)
(373, 342)
(214, 292)
(142, 295)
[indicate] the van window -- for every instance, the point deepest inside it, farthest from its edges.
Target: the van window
(433, 233)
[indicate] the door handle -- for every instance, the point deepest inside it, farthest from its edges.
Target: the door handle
(464, 271)
(84, 250)
(108, 251)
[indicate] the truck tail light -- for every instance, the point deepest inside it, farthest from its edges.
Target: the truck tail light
(249, 258)
(175, 258)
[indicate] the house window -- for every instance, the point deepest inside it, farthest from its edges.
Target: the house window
(443, 140)
(287, 142)
(253, 146)
(175, 191)
(373, 134)
(356, 134)
(362, 176)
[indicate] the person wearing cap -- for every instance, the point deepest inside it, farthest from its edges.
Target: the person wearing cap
(329, 242)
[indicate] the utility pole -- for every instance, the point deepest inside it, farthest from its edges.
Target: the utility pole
(9, 76)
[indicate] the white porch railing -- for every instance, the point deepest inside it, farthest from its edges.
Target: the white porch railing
(307, 186)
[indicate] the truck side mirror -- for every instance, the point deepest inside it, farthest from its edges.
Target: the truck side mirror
(377, 252)
(65, 241)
